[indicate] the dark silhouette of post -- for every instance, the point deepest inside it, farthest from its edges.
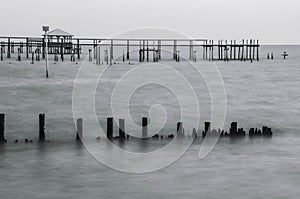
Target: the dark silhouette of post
(79, 133)
(2, 128)
(42, 137)
(127, 50)
(207, 128)
(122, 129)
(110, 128)
(179, 130)
(144, 127)
(233, 129)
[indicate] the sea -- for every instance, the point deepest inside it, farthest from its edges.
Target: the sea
(255, 94)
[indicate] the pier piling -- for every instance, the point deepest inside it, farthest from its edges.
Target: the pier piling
(144, 127)
(2, 127)
(122, 129)
(42, 137)
(79, 132)
(110, 128)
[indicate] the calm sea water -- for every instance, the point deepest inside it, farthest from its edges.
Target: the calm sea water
(258, 93)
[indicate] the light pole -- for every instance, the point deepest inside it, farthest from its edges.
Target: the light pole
(46, 29)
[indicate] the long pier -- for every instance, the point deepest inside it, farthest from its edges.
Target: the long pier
(144, 49)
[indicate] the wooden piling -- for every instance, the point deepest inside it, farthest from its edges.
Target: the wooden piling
(27, 48)
(2, 128)
(110, 128)
(19, 54)
(257, 50)
(8, 48)
(127, 50)
(78, 49)
(79, 128)
(180, 130)
(144, 127)
(62, 50)
(42, 137)
(122, 129)
(1, 56)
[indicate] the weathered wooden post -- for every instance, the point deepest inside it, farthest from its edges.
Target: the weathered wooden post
(174, 49)
(191, 49)
(27, 48)
(159, 49)
(257, 53)
(78, 49)
(207, 129)
(21, 47)
(1, 53)
(179, 130)
(233, 129)
(19, 54)
(43, 48)
(12, 47)
(90, 55)
(8, 48)
(110, 128)
(79, 132)
(127, 50)
(111, 50)
(212, 50)
(144, 127)
(122, 129)
(147, 51)
(243, 46)
(32, 58)
(42, 137)
(2, 127)
(62, 50)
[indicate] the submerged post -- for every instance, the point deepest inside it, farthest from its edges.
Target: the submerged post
(110, 127)
(42, 137)
(2, 127)
(79, 129)
(144, 127)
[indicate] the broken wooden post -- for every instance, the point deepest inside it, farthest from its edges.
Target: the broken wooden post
(207, 129)
(179, 130)
(144, 127)
(122, 129)
(2, 127)
(42, 137)
(110, 128)
(79, 128)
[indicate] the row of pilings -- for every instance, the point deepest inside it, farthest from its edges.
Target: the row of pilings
(234, 131)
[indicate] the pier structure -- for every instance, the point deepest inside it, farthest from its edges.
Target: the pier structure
(143, 50)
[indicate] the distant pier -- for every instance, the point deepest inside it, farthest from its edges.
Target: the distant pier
(60, 44)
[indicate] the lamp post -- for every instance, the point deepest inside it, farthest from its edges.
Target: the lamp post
(46, 29)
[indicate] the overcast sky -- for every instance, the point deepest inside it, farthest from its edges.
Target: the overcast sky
(271, 21)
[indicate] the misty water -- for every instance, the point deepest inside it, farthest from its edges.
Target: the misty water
(258, 93)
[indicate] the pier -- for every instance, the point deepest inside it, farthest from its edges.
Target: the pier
(102, 50)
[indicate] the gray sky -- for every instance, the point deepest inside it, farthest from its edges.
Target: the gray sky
(271, 21)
